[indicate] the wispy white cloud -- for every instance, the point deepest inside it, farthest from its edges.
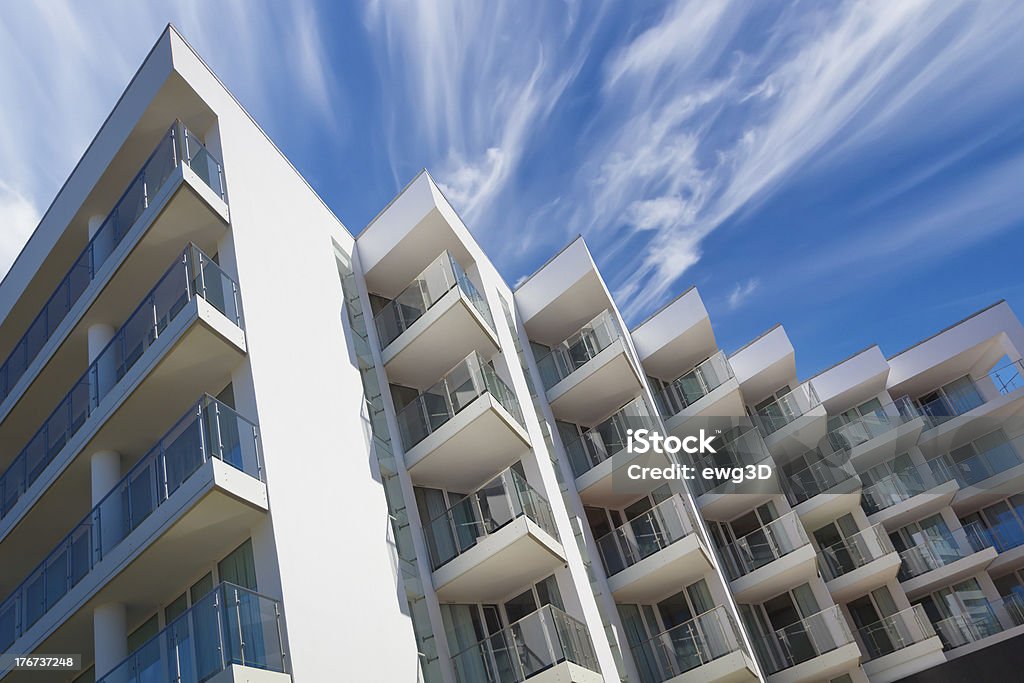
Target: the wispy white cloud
(741, 292)
(18, 217)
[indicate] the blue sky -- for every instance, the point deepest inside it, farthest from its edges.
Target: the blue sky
(854, 170)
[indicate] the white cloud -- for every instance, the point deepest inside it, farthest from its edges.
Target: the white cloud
(742, 291)
(19, 217)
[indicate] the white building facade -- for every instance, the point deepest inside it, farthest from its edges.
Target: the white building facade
(239, 444)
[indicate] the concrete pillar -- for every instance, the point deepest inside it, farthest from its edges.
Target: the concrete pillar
(110, 637)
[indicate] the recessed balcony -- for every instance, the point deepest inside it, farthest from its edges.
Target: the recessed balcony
(589, 375)
(824, 490)
(942, 560)
(653, 552)
(793, 423)
(983, 478)
(463, 429)
(185, 334)
(198, 489)
(816, 649)
(880, 435)
(709, 389)
(964, 629)
(859, 564)
(720, 497)
(546, 646)
(494, 540)
(907, 494)
(899, 645)
(705, 648)
(437, 320)
(954, 414)
(769, 560)
(600, 452)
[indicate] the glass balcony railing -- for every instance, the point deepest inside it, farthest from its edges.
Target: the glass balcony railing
(667, 522)
(896, 632)
(176, 146)
(978, 468)
(230, 625)
(209, 430)
(533, 644)
(776, 539)
(942, 549)
(599, 443)
(962, 629)
(459, 387)
(818, 477)
(505, 498)
(436, 280)
(573, 353)
(694, 385)
(902, 484)
(788, 408)
(1005, 379)
(744, 449)
(1014, 606)
(806, 639)
(193, 274)
(856, 432)
(854, 552)
(687, 646)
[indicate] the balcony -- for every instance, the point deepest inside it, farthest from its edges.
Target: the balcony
(143, 214)
(652, 553)
(817, 648)
(859, 564)
(709, 389)
(899, 645)
(231, 628)
(943, 560)
(908, 494)
(434, 322)
(706, 648)
(824, 490)
(546, 646)
(719, 497)
(463, 429)
(589, 375)
(493, 541)
(993, 396)
(769, 560)
(880, 435)
(793, 423)
(185, 333)
(986, 477)
(964, 629)
(601, 450)
(203, 474)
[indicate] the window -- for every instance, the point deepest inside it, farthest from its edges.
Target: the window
(239, 567)
(175, 608)
(201, 588)
(139, 636)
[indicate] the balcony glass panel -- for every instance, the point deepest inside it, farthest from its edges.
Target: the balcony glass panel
(599, 443)
(896, 632)
(436, 280)
(230, 625)
(962, 395)
(1014, 606)
(459, 387)
(874, 424)
(573, 353)
(788, 408)
(903, 484)
(694, 385)
(687, 646)
(193, 274)
(854, 552)
(973, 469)
(667, 522)
(942, 548)
(500, 501)
(758, 548)
(806, 639)
(816, 478)
(209, 430)
(961, 629)
(177, 145)
(533, 644)
(739, 450)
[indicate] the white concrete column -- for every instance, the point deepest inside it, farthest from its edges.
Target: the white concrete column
(106, 471)
(110, 637)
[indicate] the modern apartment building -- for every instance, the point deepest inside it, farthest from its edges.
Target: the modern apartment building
(239, 444)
